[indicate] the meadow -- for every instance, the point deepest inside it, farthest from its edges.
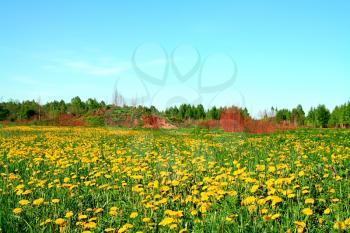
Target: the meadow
(71, 179)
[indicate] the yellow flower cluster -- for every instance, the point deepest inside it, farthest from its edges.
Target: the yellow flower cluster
(123, 180)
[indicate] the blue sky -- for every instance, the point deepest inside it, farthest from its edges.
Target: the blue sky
(255, 54)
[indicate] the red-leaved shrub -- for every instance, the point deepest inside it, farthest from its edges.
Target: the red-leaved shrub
(232, 120)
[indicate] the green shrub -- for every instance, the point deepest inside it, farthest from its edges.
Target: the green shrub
(95, 121)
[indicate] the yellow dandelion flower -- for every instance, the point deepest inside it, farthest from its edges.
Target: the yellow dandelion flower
(307, 211)
(90, 225)
(38, 201)
(134, 215)
(252, 208)
(335, 200)
(55, 200)
(98, 210)
(45, 222)
(175, 183)
(203, 208)
(109, 229)
(194, 212)
(339, 225)
(320, 220)
(275, 216)
(24, 202)
(347, 222)
(92, 219)
(327, 211)
(17, 210)
(309, 201)
(248, 201)
(261, 201)
(59, 221)
(331, 190)
(125, 227)
(162, 201)
(27, 192)
(254, 188)
(112, 213)
(166, 221)
(300, 224)
(69, 214)
(305, 191)
(82, 216)
(264, 211)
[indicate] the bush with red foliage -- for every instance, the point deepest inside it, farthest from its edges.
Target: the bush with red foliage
(209, 124)
(260, 126)
(70, 120)
(155, 122)
(150, 121)
(232, 120)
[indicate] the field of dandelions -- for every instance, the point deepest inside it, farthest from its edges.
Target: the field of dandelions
(57, 179)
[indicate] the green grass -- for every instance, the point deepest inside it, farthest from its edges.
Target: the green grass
(205, 174)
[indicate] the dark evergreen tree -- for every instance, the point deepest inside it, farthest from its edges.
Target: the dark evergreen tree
(298, 116)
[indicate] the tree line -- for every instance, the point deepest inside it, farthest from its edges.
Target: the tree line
(197, 112)
(318, 116)
(29, 109)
